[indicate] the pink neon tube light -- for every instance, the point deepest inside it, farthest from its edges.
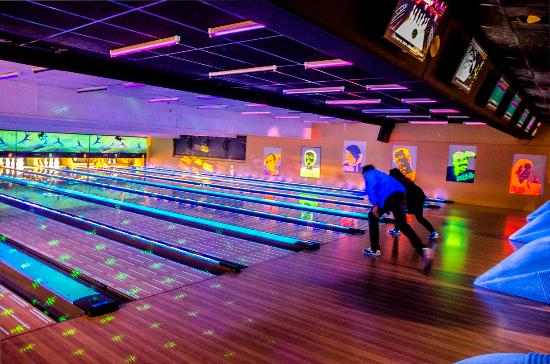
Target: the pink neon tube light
(327, 63)
(353, 102)
(234, 28)
(142, 47)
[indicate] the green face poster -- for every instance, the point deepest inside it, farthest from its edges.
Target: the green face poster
(462, 163)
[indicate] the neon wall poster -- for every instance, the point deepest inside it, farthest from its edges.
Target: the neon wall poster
(310, 164)
(528, 174)
(404, 159)
(461, 166)
(498, 93)
(354, 156)
(512, 107)
(470, 66)
(272, 161)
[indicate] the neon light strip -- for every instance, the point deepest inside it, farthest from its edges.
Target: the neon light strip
(313, 90)
(441, 122)
(255, 112)
(444, 111)
(166, 99)
(256, 105)
(408, 116)
(353, 102)
(142, 47)
(474, 123)
(327, 63)
(212, 106)
(421, 100)
(458, 117)
(91, 89)
(386, 87)
(384, 111)
(132, 84)
(177, 178)
(234, 28)
(242, 70)
(287, 117)
(7, 75)
(239, 210)
(294, 206)
(325, 117)
(247, 233)
(39, 69)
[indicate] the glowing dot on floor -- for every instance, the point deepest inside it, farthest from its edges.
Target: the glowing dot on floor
(17, 329)
(144, 307)
(229, 301)
(208, 332)
(180, 296)
(131, 358)
(168, 280)
(249, 321)
(50, 301)
(100, 247)
(69, 332)
(155, 325)
(170, 345)
(110, 261)
(27, 348)
(106, 319)
(76, 273)
(78, 352)
(53, 242)
(121, 276)
(117, 338)
(7, 312)
(229, 354)
(192, 313)
(156, 265)
(216, 285)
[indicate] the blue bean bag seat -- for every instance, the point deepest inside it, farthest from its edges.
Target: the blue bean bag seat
(543, 208)
(531, 358)
(525, 273)
(537, 228)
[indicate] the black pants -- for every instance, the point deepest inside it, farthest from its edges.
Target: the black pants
(396, 204)
(418, 210)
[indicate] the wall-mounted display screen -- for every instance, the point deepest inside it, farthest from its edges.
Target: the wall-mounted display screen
(512, 107)
(470, 66)
(522, 118)
(528, 174)
(404, 159)
(498, 94)
(413, 25)
(211, 147)
(531, 123)
(310, 165)
(461, 166)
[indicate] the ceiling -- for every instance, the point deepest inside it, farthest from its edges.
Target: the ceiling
(521, 47)
(72, 29)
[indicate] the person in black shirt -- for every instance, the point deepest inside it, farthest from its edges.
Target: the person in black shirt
(415, 203)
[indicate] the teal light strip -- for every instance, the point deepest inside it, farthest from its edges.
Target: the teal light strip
(37, 271)
(321, 210)
(222, 228)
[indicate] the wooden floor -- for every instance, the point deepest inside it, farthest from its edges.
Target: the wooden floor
(328, 306)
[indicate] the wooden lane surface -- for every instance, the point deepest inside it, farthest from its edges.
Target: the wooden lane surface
(329, 306)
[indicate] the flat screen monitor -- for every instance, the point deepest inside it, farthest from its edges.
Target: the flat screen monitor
(512, 107)
(470, 66)
(498, 94)
(413, 25)
(522, 118)
(531, 123)
(211, 147)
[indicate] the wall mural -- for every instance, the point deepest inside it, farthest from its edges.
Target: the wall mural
(272, 161)
(310, 165)
(404, 159)
(354, 156)
(528, 174)
(461, 166)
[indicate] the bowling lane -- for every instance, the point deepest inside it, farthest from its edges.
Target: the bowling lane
(299, 198)
(304, 233)
(129, 271)
(225, 247)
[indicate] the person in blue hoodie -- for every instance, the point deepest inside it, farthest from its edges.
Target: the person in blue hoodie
(386, 194)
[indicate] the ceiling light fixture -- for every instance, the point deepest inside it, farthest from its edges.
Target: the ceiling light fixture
(39, 69)
(132, 84)
(444, 111)
(242, 70)
(313, 90)
(325, 117)
(256, 105)
(327, 63)
(457, 117)
(386, 87)
(420, 100)
(408, 116)
(353, 102)
(7, 75)
(212, 106)
(234, 28)
(384, 111)
(165, 99)
(91, 89)
(474, 123)
(287, 117)
(147, 46)
(255, 112)
(437, 122)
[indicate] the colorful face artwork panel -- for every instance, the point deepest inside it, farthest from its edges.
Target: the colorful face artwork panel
(354, 156)
(528, 174)
(310, 165)
(404, 159)
(462, 163)
(272, 161)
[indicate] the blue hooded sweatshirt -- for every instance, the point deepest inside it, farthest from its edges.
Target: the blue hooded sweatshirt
(379, 186)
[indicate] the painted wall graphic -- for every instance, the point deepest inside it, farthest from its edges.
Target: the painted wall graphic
(111, 144)
(310, 165)
(469, 67)
(462, 163)
(272, 161)
(41, 142)
(413, 25)
(404, 159)
(354, 156)
(8, 140)
(528, 174)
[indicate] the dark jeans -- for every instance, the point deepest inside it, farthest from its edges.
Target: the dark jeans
(418, 211)
(396, 204)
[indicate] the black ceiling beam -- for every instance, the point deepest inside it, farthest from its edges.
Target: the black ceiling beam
(80, 62)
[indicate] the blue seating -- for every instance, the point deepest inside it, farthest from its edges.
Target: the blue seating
(508, 358)
(543, 208)
(537, 228)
